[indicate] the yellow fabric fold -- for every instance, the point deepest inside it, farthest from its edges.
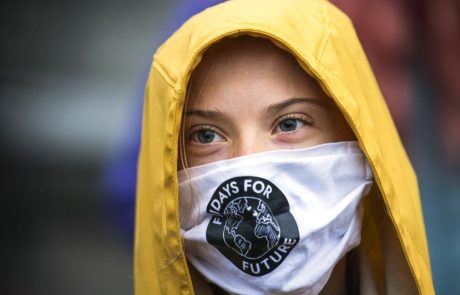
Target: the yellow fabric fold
(324, 42)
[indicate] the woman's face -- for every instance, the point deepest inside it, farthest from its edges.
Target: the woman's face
(248, 96)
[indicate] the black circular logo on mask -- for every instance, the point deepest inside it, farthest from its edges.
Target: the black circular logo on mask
(251, 224)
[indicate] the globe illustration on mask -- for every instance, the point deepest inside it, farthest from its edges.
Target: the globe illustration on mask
(250, 228)
(251, 225)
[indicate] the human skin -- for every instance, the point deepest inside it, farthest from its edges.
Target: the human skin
(249, 96)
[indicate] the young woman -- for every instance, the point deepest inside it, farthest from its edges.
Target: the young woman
(270, 164)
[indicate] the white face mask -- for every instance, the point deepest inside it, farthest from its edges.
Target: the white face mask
(274, 222)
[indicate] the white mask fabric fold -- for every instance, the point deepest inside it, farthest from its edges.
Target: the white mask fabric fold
(275, 222)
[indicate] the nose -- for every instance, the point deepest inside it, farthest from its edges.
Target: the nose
(249, 143)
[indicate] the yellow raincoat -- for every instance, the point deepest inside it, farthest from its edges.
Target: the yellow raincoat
(394, 251)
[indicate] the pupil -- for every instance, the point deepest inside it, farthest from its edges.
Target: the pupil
(288, 125)
(206, 136)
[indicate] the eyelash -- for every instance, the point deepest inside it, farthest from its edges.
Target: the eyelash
(301, 117)
(193, 132)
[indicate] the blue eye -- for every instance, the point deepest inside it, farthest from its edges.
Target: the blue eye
(292, 123)
(288, 125)
(206, 136)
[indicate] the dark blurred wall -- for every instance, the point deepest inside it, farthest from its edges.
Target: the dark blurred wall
(70, 75)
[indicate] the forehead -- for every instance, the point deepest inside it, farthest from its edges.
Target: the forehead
(245, 54)
(248, 67)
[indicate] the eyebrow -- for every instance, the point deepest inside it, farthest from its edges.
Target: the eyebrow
(295, 100)
(204, 113)
(270, 109)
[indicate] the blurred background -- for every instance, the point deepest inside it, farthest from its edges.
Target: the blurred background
(72, 77)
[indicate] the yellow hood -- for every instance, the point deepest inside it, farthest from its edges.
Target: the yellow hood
(324, 42)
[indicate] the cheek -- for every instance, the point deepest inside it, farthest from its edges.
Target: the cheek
(298, 140)
(325, 131)
(205, 154)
